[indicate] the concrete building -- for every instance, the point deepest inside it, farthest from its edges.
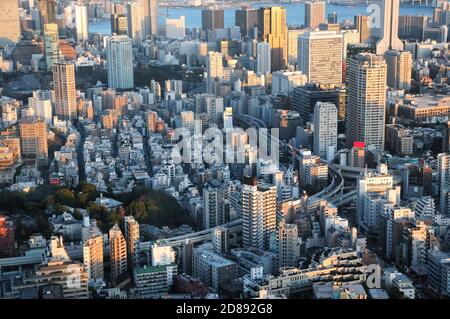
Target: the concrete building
(93, 257)
(390, 11)
(65, 92)
(81, 23)
(314, 13)
(33, 138)
(325, 130)
(9, 22)
(283, 83)
(247, 20)
(132, 236)
(119, 57)
(118, 252)
(399, 66)
(153, 281)
(134, 20)
(175, 28)
(366, 100)
(320, 57)
(150, 16)
(263, 58)
(258, 214)
(212, 19)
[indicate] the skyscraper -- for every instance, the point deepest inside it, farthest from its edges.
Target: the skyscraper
(320, 57)
(325, 129)
(175, 28)
(51, 45)
(314, 13)
(119, 56)
(399, 66)
(247, 20)
(81, 23)
(119, 24)
(150, 24)
(33, 138)
(263, 55)
(366, 100)
(212, 19)
(363, 28)
(134, 20)
(47, 9)
(118, 252)
(258, 213)
(65, 92)
(9, 21)
(444, 183)
(272, 29)
(390, 11)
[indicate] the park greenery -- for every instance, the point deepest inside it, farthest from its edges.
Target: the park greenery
(146, 205)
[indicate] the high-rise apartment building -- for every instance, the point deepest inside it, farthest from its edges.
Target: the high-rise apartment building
(9, 21)
(320, 57)
(263, 58)
(93, 257)
(288, 245)
(212, 19)
(119, 55)
(118, 252)
(65, 92)
(132, 236)
(390, 11)
(258, 213)
(314, 13)
(399, 68)
(325, 130)
(33, 138)
(366, 100)
(150, 16)
(51, 45)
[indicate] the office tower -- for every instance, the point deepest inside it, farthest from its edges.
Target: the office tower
(283, 83)
(212, 19)
(332, 18)
(390, 11)
(81, 23)
(228, 118)
(258, 213)
(247, 20)
(119, 24)
(314, 13)
(93, 257)
(366, 100)
(134, 20)
(9, 21)
(293, 45)
(263, 61)
(65, 92)
(363, 27)
(51, 45)
(119, 55)
(47, 9)
(272, 29)
(304, 99)
(175, 28)
(118, 252)
(132, 236)
(288, 245)
(399, 67)
(443, 33)
(320, 57)
(33, 138)
(214, 69)
(412, 27)
(325, 130)
(214, 107)
(150, 16)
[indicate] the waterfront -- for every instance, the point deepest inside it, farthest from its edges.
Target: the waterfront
(295, 14)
